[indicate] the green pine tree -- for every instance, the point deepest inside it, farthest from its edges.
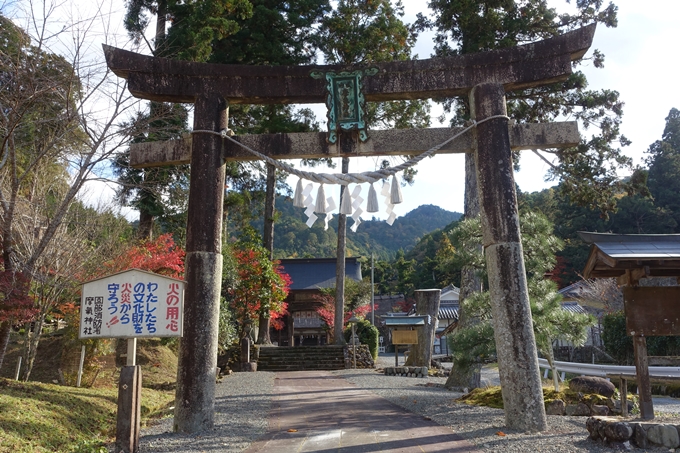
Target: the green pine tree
(472, 343)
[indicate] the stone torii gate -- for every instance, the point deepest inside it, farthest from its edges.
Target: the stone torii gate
(483, 77)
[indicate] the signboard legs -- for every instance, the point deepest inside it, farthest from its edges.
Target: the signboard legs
(131, 359)
(129, 409)
(80, 366)
(642, 372)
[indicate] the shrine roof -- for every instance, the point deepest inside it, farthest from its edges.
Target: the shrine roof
(316, 273)
(417, 320)
(448, 311)
(650, 255)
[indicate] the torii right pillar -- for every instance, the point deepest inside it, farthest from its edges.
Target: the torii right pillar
(515, 342)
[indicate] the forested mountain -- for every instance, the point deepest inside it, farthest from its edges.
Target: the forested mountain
(294, 239)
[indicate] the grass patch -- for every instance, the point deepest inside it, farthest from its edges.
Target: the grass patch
(40, 417)
(44, 417)
(492, 397)
(37, 417)
(488, 396)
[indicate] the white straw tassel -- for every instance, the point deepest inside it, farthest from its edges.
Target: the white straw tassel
(346, 202)
(320, 207)
(299, 199)
(372, 203)
(396, 191)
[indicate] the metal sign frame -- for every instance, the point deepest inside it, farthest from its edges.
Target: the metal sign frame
(345, 101)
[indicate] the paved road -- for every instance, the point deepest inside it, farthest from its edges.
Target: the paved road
(319, 412)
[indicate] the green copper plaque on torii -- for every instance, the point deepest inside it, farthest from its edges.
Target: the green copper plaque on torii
(345, 102)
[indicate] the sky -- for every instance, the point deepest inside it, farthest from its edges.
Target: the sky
(641, 63)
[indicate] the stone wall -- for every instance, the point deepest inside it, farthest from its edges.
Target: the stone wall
(588, 405)
(642, 434)
(406, 371)
(364, 358)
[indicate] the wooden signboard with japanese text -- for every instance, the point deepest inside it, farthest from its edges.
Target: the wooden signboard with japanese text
(652, 310)
(404, 337)
(132, 304)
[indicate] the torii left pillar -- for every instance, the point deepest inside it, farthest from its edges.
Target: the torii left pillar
(197, 368)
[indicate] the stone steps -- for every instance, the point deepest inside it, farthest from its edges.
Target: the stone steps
(301, 358)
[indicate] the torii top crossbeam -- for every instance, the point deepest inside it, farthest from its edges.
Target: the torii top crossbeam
(530, 65)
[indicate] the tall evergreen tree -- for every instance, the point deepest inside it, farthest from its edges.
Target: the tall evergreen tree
(148, 190)
(269, 32)
(589, 170)
(664, 167)
(475, 341)
(277, 33)
(364, 32)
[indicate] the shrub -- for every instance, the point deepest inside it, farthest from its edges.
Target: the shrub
(616, 342)
(368, 335)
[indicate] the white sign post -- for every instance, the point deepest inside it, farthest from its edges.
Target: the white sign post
(131, 304)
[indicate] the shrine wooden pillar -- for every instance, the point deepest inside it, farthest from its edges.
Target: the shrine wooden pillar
(642, 375)
(511, 313)
(197, 368)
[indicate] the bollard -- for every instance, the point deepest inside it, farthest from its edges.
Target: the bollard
(80, 367)
(16, 378)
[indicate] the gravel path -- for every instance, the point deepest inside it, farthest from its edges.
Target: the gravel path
(243, 401)
(480, 425)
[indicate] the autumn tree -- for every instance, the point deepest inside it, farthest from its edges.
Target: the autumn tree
(86, 239)
(52, 122)
(160, 256)
(17, 303)
(357, 296)
(260, 287)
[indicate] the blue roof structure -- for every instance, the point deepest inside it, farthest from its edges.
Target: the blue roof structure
(317, 273)
(405, 320)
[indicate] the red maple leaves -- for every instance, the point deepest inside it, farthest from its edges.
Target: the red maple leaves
(262, 287)
(16, 303)
(161, 256)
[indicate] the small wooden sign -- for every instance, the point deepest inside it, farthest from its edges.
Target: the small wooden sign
(404, 337)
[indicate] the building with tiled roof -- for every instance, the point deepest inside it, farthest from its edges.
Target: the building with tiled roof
(302, 324)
